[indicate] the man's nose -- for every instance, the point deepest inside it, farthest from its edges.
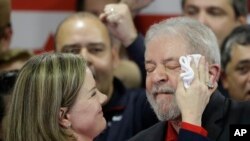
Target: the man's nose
(85, 54)
(203, 18)
(160, 75)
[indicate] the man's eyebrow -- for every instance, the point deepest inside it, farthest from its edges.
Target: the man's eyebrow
(243, 62)
(96, 43)
(71, 46)
(215, 7)
(219, 9)
(164, 61)
(99, 44)
(149, 62)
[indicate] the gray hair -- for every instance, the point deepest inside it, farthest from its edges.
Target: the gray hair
(200, 39)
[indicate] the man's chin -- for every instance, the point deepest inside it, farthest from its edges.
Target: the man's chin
(170, 114)
(163, 97)
(166, 108)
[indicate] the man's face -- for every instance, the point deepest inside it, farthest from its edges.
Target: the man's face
(216, 14)
(89, 38)
(96, 6)
(163, 69)
(5, 9)
(237, 74)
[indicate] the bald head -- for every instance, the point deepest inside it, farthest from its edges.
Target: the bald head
(82, 23)
(85, 34)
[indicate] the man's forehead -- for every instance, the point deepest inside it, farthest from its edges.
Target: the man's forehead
(166, 43)
(78, 31)
(164, 59)
(164, 56)
(210, 3)
(240, 51)
(79, 22)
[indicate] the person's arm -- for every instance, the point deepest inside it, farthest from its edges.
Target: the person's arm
(136, 53)
(192, 102)
(136, 6)
(194, 129)
(119, 20)
(189, 132)
(120, 23)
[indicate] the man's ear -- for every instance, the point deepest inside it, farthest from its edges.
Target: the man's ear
(223, 79)
(242, 20)
(214, 73)
(6, 39)
(64, 118)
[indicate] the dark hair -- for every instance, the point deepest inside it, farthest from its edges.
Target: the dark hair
(7, 81)
(239, 6)
(79, 5)
(240, 36)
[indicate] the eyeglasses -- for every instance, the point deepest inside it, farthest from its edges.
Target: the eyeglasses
(7, 81)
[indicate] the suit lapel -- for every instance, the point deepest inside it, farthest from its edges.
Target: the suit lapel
(213, 115)
(156, 132)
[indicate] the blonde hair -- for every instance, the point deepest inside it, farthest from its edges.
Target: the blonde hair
(45, 83)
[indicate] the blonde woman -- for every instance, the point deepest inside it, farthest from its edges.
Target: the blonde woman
(55, 99)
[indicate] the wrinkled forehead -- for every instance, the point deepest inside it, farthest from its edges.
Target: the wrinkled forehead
(167, 39)
(166, 46)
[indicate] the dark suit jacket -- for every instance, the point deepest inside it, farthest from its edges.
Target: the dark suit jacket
(185, 135)
(219, 114)
(157, 133)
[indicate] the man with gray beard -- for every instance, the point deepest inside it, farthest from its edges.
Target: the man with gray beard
(175, 104)
(168, 114)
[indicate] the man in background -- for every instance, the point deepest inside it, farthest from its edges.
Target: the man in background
(5, 25)
(127, 111)
(222, 16)
(136, 76)
(235, 62)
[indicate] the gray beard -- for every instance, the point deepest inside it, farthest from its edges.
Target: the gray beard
(164, 109)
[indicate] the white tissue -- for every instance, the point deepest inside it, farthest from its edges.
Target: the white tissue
(188, 74)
